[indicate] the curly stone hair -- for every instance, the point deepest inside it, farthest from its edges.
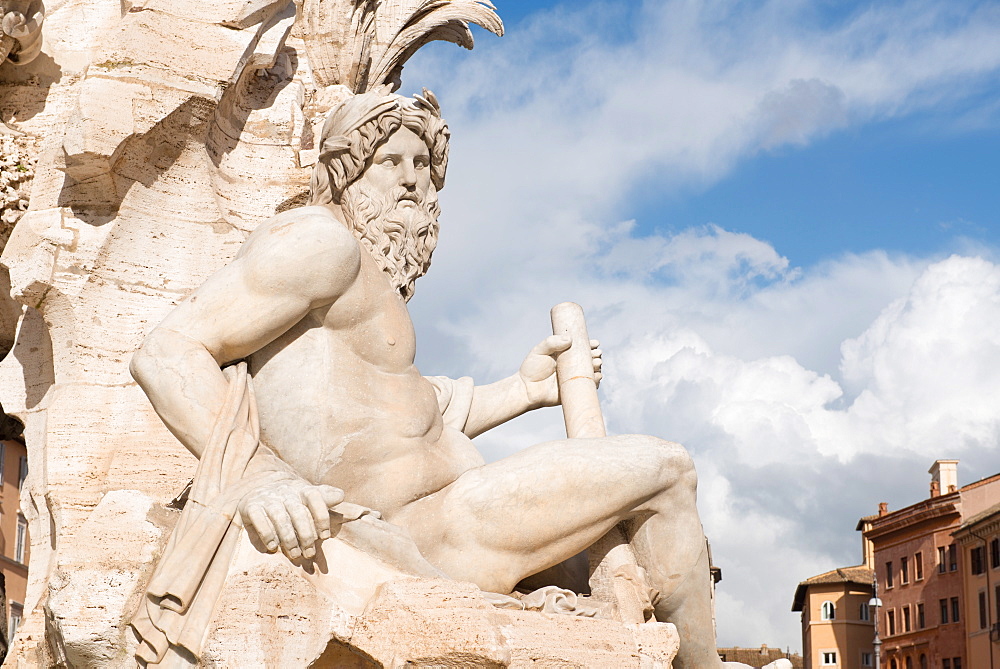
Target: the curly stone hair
(354, 130)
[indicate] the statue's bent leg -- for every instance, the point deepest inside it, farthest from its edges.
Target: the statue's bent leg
(501, 522)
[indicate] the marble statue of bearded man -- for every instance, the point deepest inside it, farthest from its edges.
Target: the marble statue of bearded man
(315, 303)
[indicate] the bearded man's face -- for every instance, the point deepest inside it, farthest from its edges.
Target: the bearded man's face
(392, 209)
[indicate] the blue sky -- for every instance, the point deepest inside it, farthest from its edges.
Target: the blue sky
(897, 186)
(782, 219)
(922, 183)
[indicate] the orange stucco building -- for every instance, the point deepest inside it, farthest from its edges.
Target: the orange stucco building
(936, 566)
(979, 542)
(837, 629)
(13, 529)
(919, 568)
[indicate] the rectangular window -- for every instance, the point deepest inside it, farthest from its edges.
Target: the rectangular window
(891, 620)
(952, 558)
(982, 610)
(864, 611)
(866, 659)
(995, 553)
(956, 662)
(904, 570)
(946, 664)
(888, 574)
(944, 611)
(918, 566)
(829, 658)
(954, 610)
(942, 558)
(22, 539)
(921, 620)
(23, 473)
(906, 618)
(996, 598)
(976, 561)
(16, 612)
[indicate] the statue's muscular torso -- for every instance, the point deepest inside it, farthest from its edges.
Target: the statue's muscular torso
(341, 401)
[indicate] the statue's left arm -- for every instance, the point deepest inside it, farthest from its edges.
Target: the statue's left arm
(532, 387)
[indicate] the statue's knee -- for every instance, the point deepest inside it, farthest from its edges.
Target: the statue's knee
(675, 464)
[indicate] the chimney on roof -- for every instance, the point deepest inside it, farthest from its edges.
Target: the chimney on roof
(883, 508)
(763, 649)
(944, 477)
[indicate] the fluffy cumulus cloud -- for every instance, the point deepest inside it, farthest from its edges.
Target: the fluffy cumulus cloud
(805, 394)
(789, 460)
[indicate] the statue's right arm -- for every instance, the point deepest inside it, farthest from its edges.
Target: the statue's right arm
(299, 261)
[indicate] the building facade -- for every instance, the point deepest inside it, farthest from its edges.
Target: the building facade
(979, 545)
(837, 626)
(14, 545)
(919, 569)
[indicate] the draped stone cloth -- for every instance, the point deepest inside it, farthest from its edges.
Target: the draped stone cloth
(180, 598)
(177, 608)
(454, 398)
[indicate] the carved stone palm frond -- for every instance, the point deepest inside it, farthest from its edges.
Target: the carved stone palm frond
(338, 37)
(363, 44)
(406, 25)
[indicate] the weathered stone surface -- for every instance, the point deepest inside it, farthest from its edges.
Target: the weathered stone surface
(99, 259)
(444, 623)
(18, 155)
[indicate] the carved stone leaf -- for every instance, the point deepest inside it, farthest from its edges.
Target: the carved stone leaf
(363, 44)
(429, 20)
(392, 15)
(338, 35)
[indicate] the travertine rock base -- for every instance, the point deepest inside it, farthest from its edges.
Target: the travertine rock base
(277, 614)
(425, 623)
(421, 623)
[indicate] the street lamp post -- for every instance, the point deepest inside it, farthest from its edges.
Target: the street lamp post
(875, 603)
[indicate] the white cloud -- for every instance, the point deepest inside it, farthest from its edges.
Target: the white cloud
(806, 395)
(787, 461)
(695, 87)
(929, 361)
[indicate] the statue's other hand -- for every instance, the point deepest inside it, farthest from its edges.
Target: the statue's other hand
(538, 371)
(596, 353)
(291, 515)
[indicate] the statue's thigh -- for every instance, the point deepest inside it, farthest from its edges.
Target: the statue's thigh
(505, 520)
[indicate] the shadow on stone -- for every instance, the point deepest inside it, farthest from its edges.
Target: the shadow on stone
(340, 656)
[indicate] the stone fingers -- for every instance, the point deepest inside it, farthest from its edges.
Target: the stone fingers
(319, 508)
(596, 353)
(255, 516)
(552, 344)
(332, 496)
(284, 531)
(292, 518)
(304, 535)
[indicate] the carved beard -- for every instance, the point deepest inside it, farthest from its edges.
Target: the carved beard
(400, 239)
